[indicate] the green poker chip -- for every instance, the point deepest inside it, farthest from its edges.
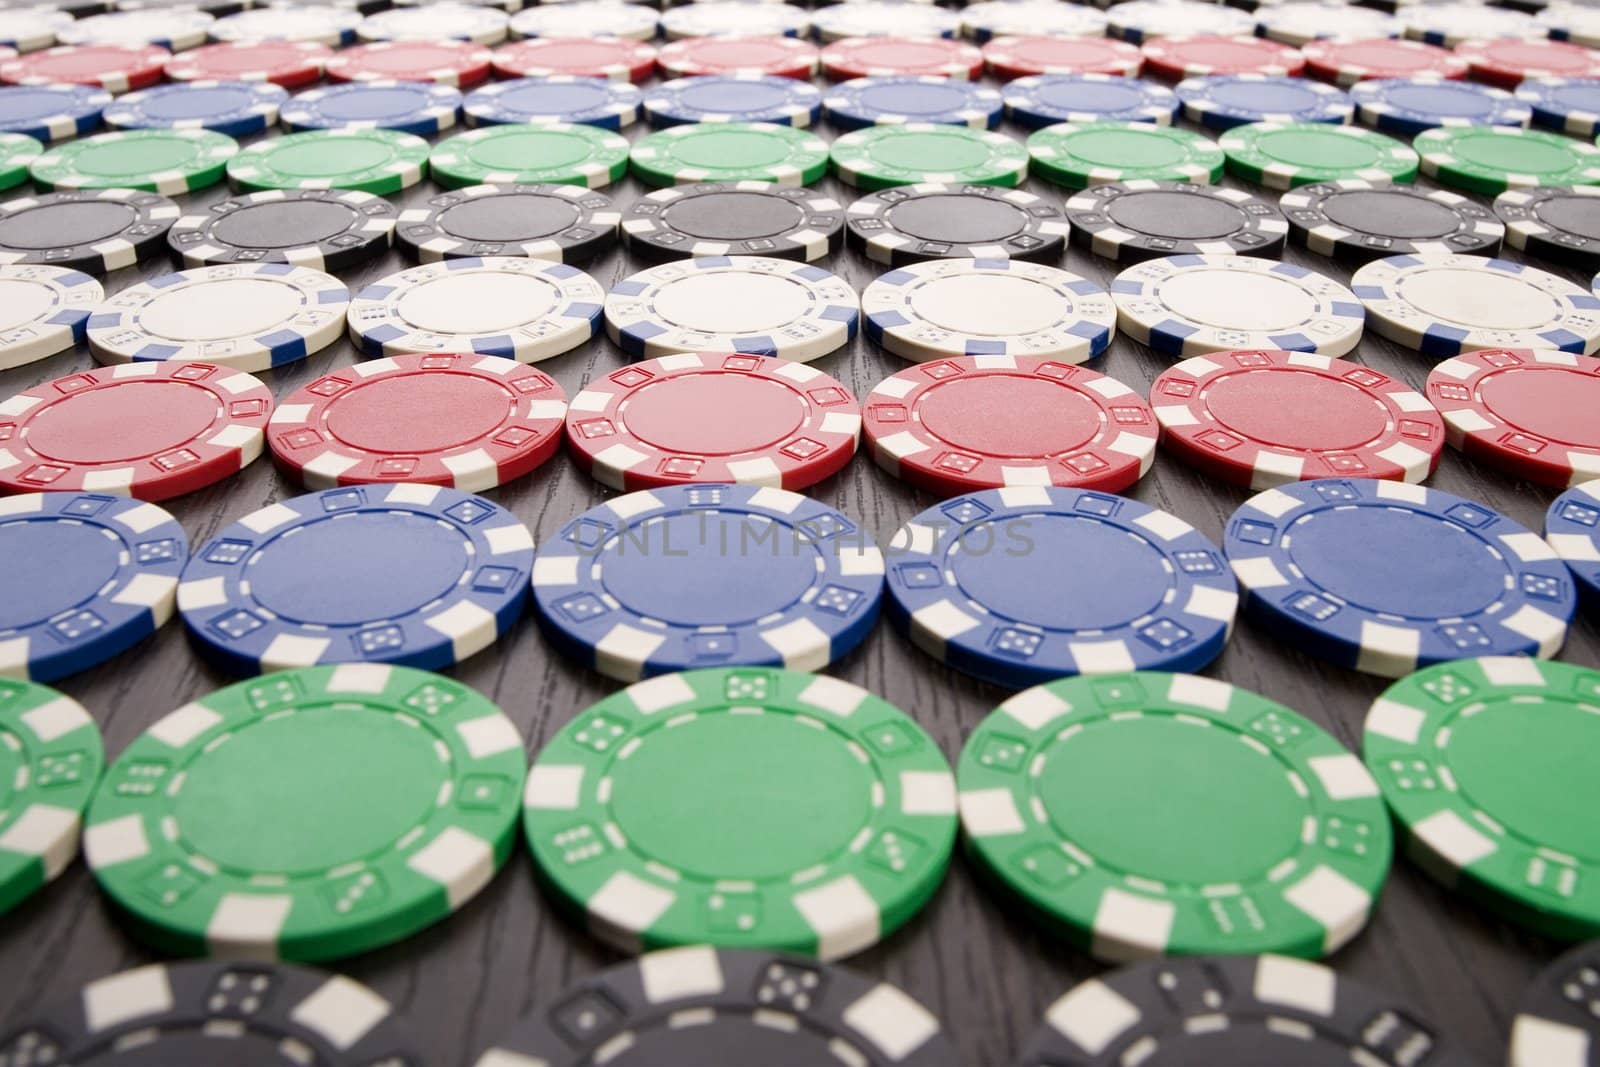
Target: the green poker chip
(1147, 813)
(1489, 768)
(881, 157)
(1078, 155)
(157, 161)
(381, 162)
(742, 808)
(730, 152)
(557, 154)
(50, 762)
(18, 152)
(1287, 155)
(1492, 159)
(308, 814)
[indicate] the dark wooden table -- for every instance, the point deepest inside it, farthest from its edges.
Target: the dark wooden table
(986, 973)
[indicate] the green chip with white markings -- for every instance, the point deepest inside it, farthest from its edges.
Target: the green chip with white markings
(730, 152)
(1078, 155)
(157, 161)
(742, 808)
(881, 157)
(18, 152)
(1287, 155)
(381, 162)
(555, 154)
(1492, 159)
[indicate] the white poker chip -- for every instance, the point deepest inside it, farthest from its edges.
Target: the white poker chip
(436, 22)
(1574, 23)
(521, 309)
(735, 18)
(752, 304)
(588, 18)
(176, 29)
(315, 25)
(1319, 20)
(43, 311)
(1030, 18)
(29, 29)
(248, 317)
(883, 18)
(1443, 305)
(1185, 306)
(1448, 24)
(1140, 20)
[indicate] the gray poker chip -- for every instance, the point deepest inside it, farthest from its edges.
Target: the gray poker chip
(913, 223)
(325, 229)
(555, 223)
(1358, 221)
(747, 218)
(1560, 224)
(92, 230)
(1136, 220)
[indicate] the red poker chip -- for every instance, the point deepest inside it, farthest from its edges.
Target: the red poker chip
(1347, 62)
(1508, 61)
(985, 422)
(115, 68)
(1266, 418)
(590, 57)
(151, 430)
(874, 57)
(285, 63)
(470, 422)
(1530, 413)
(1020, 57)
(459, 63)
(1176, 58)
(781, 57)
(713, 418)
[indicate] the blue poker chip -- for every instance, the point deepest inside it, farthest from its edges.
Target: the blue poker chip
(87, 575)
(1571, 105)
(1026, 584)
(233, 108)
(417, 575)
(1045, 99)
(690, 576)
(733, 98)
(1386, 577)
(51, 112)
(421, 108)
(1223, 101)
(1412, 105)
(1572, 526)
(863, 102)
(555, 98)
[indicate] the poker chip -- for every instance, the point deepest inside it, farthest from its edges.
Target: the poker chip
(522, 309)
(436, 22)
(43, 310)
(782, 57)
(54, 756)
(733, 98)
(747, 218)
(1006, 18)
(324, 24)
(588, 18)
(1138, 220)
(1577, 23)
(884, 57)
(51, 112)
(556, 223)
(1225, 101)
(1347, 62)
(1185, 306)
(1412, 105)
(1559, 224)
(598, 102)
(467, 422)
(1078, 155)
(101, 576)
(864, 102)
(1524, 411)
(114, 68)
(158, 161)
(911, 223)
(286, 63)
(249, 318)
(375, 161)
(1454, 577)
(1509, 61)
(1492, 159)
(882, 18)
(734, 18)
(18, 153)
(1357, 221)
(966, 423)
(1286, 155)
(1491, 839)
(751, 1001)
(1572, 527)
(1189, 57)
(1147, 19)
(1301, 23)
(729, 152)
(324, 229)
(1019, 57)
(1452, 23)
(233, 108)
(603, 600)
(1046, 99)
(1571, 105)
(556, 153)
(175, 29)
(1555, 1024)
(96, 231)
(879, 157)
(29, 29)
(457, 63)
(409, 107)
(611, 58)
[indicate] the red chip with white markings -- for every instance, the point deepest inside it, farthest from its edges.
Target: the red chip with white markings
(285, 63)
(886, 57)
(1508, 61)
(1348, 62)
(781, 57)
(115, 68)
(611, 58)
(150, 430)
(458, 63)
(1176, 58)
(1020, 57)
(1267, 418)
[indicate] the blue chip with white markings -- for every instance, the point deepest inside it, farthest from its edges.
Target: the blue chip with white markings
(52, 112)
(733, 98)
(87, 575)
(233, 108)
(1572, 526)
(1385, 577)
(1046, 99)
(599, 102)
(1571, 105)
(883, 101)
(421, 108)
(1411, 105)
(691, 576)
(1022, 585)
(1223, 101)
(417, 575)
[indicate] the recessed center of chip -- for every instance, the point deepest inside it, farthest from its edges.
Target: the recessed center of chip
(68, 563)
(150, 417)
(138, 159)
(419, 412)
(1484, 299)
(373, 102)
(1010, 415)
(957, 219)
(714, 97)
(733, 1038)
(914, 99)
(1237, 300)
(1177, 215)
(1127, 148)
(1575, 214)
(1298, 410)
(84, 222)
(1058, 52)
(23, 302)
(284, 223)
(714, 414)
(1117, 579)
(230, 307)
(728, 797)
(1319, 147)
(1402, 217)
(496, 219)
(732, 150)
(982, 305)
(25, 104)
(1443, 98)
(733, 216)
(534, 147)
(1514, 155)
(736, 302)
(320, 159)
(482, 302)
(402, 59)
(176, 107)
(1563, 406)
(932, 152)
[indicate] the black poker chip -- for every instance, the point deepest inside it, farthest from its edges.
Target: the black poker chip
(556, 223)
(1558, 1020)
(1357, 221)
(1136, 220)
(911, 224)
(212, 1013)
(1560, 224)
(1237, 1010)
(734, 219)
(92, 230)
(746, 1007)
(325, 229)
